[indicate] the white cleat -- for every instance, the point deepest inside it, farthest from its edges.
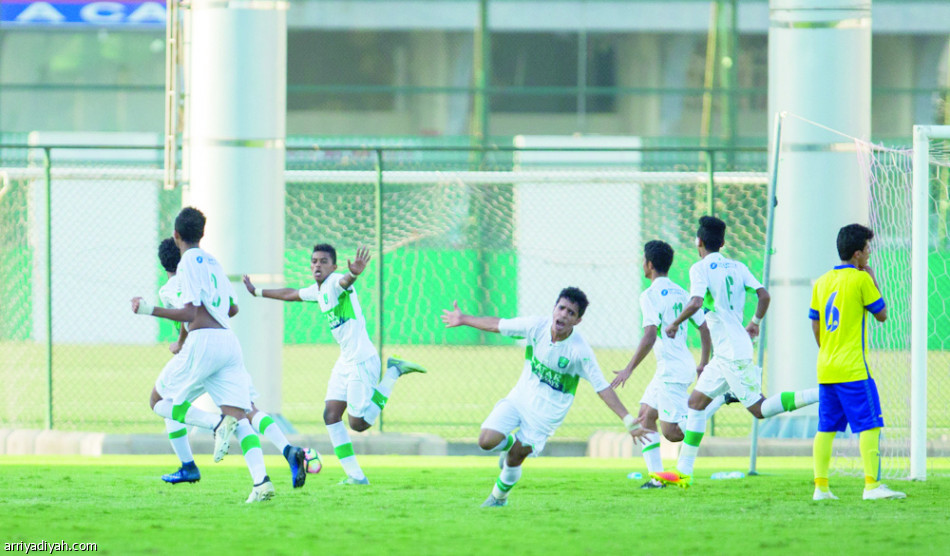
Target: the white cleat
(493, 502)
(222, 437)
(883, 493)
(826, 495)
(261, 492)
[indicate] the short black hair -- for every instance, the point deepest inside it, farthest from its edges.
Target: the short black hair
(325, 248)
(851, 238)
(577, 296)
(168, 254)
(660, 254)
(190, 225)
(712, 231)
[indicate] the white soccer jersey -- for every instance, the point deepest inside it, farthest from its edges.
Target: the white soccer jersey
(551, 370)
(345, 317)
(203, 282)
(722, 282)
(170, 293)
(660, 304)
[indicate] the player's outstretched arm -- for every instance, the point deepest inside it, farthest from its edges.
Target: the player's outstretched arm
(633, 424)
(184, 314)
(646, 344)
(356, 267)
(760, 309)
(283, 294)
(692, 306)
(456, 317)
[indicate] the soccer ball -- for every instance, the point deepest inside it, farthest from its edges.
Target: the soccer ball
(312, 460)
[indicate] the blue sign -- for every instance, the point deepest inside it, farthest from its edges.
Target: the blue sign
(55, 13)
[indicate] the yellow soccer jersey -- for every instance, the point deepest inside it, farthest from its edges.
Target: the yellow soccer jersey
(838, 302)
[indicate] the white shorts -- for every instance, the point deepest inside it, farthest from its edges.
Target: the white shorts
(532, 431)
(210, 361)
(354, 384)
(669, 399)
(742, 378)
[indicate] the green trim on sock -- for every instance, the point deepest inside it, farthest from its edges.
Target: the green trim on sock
(502, 486)
(179, 411)
(692, 438)
(266, 422)
(250, 442)
(651, 447)
(379, 399)
(510, 442)
(343, 450)
(178, 434)
(788, 401)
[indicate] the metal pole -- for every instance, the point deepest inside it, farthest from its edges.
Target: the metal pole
(920, 237)
(767, 268)
(710, 195)
(582, 80)
(47, 170)
(379, 263)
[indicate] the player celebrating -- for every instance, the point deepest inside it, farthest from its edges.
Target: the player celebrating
(556, 357)
(718, 285)
(665, 397)
(169, 294)
(355, 384)
(847, 393)
(212, 354)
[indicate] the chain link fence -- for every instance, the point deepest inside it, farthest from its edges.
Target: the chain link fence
(500, 231)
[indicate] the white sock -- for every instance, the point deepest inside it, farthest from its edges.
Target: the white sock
(343, 447)
(178, 436)
(651, 452)
(187, 414)
(714, 405)
(788, 401)
(506, 481)
(695, 429)
(251, 446)
(381, 395)
(264, 424)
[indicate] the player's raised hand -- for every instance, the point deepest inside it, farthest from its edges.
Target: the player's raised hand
(248, 284)
(621, 379)
(671, 330)
(639, 435)
(135, 304)
(359, 265)
(752, 330)
(454, 317)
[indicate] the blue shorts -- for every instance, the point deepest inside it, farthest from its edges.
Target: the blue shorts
(849, 403)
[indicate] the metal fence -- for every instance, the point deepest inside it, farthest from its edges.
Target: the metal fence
(501, 230)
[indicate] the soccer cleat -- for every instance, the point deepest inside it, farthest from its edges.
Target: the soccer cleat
(183, 476)
(673, 478)
(883, 493)
(823, 495)
(298, 466)
(729, 398)
(653, 483)
(493, 502)
(222, 437)
(354, 481)
(261, 492)
(403, 367)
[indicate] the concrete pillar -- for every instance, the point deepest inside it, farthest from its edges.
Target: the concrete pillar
(894, 114)
(639, 62)
(820, 69)
(429, 66)
(235, 152)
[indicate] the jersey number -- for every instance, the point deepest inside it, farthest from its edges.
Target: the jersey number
(832, 315)
(217, 298)
(729, 284)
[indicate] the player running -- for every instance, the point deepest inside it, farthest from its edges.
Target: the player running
(556, 358)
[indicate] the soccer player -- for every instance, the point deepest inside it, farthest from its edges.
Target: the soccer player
(556, 358)
(847, 392)
(169, 294)
(664, 399)
(718, 285)
(213, 359)
(355, 385)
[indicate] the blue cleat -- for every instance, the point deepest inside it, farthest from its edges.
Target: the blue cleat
(298, 466)
(191, 475)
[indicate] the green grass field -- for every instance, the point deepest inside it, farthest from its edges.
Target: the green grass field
(106, 388)
(430, 505)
